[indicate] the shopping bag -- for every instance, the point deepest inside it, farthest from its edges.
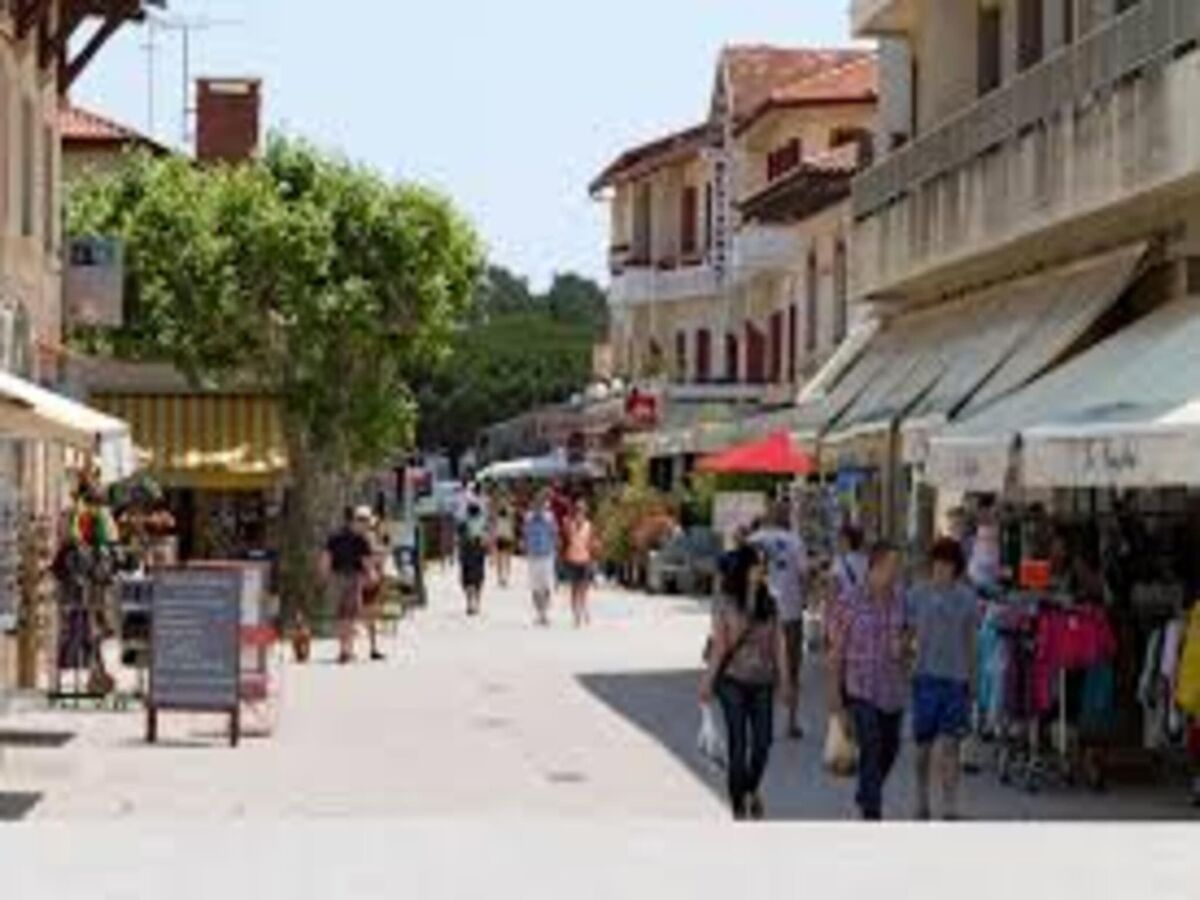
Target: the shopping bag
(709, 741)
(1187, 688)
(841, 753)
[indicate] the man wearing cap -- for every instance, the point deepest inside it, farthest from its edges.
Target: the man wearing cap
(345, 564)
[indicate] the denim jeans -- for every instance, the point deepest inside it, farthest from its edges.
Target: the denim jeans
(878, 736)
(750, 720)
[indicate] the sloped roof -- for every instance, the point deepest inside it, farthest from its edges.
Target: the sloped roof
(653, 154)
(81, 127)
(853, 80)
(754, 72)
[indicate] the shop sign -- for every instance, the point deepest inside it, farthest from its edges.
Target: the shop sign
(1117, 460)
(642, 409)
(94, 283)
(195, 644)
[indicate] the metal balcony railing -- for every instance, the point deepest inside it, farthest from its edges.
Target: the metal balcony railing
(1151, 33)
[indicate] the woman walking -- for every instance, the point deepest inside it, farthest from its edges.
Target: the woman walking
(504, 537)
(472, 555)
(746, 660)
(868, 680)
(580, 539)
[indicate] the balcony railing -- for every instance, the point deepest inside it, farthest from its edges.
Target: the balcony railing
(650, 283)
(763, 248)
(1150, 33)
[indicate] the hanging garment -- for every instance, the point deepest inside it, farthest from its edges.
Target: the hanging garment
(1097, 711)
(1172, 650)
(1187, 688)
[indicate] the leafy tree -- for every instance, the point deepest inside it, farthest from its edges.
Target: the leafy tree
(334, 289)
(573, 298)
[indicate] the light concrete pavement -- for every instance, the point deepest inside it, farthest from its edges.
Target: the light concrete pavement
(484, 717)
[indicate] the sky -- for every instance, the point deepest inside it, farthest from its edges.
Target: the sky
(509, 107)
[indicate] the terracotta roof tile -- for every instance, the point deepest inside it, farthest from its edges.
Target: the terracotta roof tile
(755, 72)
(854, 79)
(82, 126)
(648, 156)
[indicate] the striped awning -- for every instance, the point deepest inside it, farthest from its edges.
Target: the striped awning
(207, 441)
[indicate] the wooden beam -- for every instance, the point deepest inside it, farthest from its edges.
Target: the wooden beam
(74, 67)
(54, 44)
(29, 13)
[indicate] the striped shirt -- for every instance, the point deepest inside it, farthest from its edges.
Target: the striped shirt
(871, 638)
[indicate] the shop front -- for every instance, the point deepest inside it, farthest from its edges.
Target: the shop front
(1096, 473)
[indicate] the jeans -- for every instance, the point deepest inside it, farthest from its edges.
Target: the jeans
(750, 719)
(878, 736)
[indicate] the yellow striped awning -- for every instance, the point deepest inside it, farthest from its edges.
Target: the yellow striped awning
(206, 441)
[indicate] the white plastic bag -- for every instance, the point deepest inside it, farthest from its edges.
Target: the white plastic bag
(709, 741)
(841, 752)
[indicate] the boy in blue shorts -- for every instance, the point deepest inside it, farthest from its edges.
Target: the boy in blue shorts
(943, 618)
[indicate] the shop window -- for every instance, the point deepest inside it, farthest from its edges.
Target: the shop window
(689, 219)
(703, 356)
(991, 43)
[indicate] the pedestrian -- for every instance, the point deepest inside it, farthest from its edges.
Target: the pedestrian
(984, 560)
(344, 564)
(541, 551)
(943, 617)
(504, 538)
(850, 562)
(787, 572)
(375, 586)
(867, 679)
(747, 656)
(472, 554)
(580, 557)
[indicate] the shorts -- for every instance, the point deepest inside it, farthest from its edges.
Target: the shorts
(541, 574)
(347, 594)
(505, 545)
(793, 638)
(941, 708)
(576, 573)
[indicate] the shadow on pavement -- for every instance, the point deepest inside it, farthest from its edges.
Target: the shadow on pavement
(42, 740)
(16, 806)
(663, 705)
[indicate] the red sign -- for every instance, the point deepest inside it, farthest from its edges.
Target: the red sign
(642, 408)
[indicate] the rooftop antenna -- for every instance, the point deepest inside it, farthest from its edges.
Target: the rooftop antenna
(184, 25)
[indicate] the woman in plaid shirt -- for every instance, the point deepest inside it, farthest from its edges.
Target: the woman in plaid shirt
(869, 680)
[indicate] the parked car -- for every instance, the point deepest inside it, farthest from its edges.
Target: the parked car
(686, 563)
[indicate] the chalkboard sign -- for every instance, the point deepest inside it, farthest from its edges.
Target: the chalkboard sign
(195, 648)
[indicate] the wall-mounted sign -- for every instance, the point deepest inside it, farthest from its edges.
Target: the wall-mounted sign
(94, 285)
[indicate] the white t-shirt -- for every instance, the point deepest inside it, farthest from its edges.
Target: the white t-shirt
(788, 560)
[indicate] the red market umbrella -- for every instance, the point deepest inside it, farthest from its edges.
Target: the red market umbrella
(772, 455)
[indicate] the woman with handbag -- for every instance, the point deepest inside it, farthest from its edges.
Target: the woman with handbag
(746, 660)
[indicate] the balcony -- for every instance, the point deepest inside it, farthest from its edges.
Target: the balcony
(880, 17)
(1097, 136)
(651, 283)
(717, 392)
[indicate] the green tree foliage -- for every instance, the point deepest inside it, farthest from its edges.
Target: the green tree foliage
(330, 287)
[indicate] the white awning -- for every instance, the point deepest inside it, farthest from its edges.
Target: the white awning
(554, 465)
(1124, 414)
(935, 363)
(31, 412)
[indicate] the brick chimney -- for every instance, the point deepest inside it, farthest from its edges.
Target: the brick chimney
(227, 119)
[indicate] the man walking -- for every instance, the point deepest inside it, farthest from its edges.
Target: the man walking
(787, 559)
(541, 546)
(344, 564)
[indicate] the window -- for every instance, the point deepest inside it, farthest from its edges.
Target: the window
(708, 216)
(49, 195)
(703, 356)
(689, 239)
(1068, 21)
(1031, 23)
(991, 29)
(810, 302)
(681, 360)
(642, 204)
(732, 373)
(756, 368)
(791, 343)
(841, 291)
(784, 159)
(27, 167)
(776, 348)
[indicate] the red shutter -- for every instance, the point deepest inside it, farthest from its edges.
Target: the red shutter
(731, 358)
(755, 355)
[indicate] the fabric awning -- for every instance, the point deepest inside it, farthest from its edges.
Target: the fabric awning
(206, 441)
(772, 455)
(931, 364)
(31, 412)
(1124, 414)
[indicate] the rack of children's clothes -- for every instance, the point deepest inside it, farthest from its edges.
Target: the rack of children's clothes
(1045, 669)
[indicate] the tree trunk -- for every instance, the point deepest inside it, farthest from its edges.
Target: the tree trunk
(311, 511)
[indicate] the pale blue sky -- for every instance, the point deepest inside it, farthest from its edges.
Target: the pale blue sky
(511, 107)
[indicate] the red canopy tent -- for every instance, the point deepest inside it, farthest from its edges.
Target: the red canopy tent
(772, 455)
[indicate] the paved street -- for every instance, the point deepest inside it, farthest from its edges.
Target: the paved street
(476, 718)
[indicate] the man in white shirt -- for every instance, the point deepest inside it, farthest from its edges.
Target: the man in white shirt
(787, 581)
